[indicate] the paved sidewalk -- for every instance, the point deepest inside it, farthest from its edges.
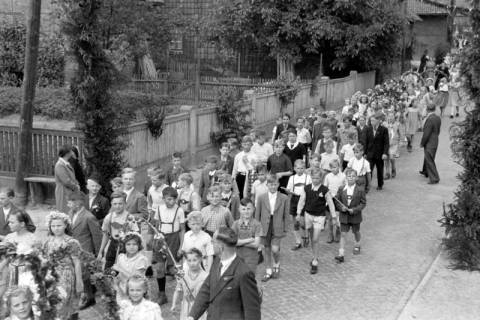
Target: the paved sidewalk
(401, 238)
(445, 294)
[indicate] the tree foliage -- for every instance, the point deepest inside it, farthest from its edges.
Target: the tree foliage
(360, 34)
(91, 89)
(12, 57)
(461, 219)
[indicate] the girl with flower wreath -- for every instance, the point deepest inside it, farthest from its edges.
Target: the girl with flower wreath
(130, 262)
(64, 252)
(14, 270)
(137, 306)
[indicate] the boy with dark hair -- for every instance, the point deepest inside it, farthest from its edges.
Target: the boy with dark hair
(226, 161)
(208, 178)
(6, 208)
(170, 220)
(175, 170)
(279, 164)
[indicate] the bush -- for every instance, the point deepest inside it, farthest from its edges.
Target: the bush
(56, 104)
(12, 56)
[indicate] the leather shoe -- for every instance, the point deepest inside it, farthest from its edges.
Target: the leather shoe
(314, 268)
(432, 182)
(379, 188)
(87, 304)
(423, 173)
(340, 259)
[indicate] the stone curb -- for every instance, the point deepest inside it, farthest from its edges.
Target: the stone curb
(413, 291)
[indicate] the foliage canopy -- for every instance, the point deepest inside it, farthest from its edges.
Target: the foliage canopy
(352, 34)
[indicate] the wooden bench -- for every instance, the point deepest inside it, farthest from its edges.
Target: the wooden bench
(40, 187)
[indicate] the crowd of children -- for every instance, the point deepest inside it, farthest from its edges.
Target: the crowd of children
(313, 176)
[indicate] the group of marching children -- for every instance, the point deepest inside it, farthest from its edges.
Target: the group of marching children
(314, 175)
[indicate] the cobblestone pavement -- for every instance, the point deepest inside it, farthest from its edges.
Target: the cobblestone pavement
(401, 238)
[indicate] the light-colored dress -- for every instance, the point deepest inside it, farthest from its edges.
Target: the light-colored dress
(63, 255)
(412, 121)
(144, 310)
(127, 267)
(194, 285)
(394, 138)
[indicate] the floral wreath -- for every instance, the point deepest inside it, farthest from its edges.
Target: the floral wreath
(57, 215)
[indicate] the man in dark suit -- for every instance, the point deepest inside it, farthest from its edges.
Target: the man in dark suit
(86, 230)
(77, 168)
(230, 290)
(362, 131)
(378, 145)
(136, 203)
(284, 126)
(6, 208)
(429, 143)
(97, 204)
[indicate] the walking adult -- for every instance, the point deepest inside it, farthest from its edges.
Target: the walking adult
(284, 126)
(378, 146)
(230, 290)
(65, 181)
(423, 61)
(86, 230)
(77, 168)
(429, 143)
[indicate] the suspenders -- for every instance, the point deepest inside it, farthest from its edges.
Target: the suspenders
(172, 223)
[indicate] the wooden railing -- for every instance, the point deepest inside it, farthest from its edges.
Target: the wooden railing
(45, 146)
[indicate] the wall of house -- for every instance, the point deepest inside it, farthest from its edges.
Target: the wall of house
(431, 33)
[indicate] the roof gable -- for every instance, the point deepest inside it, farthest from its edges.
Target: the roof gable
(426, 8)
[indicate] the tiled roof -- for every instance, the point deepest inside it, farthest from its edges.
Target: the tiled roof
(423, 8)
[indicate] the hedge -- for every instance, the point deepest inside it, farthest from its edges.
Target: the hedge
(55, 104)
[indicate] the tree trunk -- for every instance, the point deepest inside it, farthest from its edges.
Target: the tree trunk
(24, 154)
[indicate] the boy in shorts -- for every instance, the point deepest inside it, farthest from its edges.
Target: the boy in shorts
(350, 201)
(314, 201)
(272, 212)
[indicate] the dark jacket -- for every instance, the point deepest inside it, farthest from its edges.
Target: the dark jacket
(233, 296)
(358, 203)
(79, 175)
(86, 230)
(4, 227)
(363, 137)
(280, 128)
(226, 165)
(99, 208)
(379, 144)
(431, 130)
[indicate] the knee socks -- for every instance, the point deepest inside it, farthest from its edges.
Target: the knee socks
(161, 284)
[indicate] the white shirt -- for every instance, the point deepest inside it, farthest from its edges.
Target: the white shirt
(296, 183)
(241, 166)
(272, 198)
(6, 212)
(166, 217)
(90, 201)
(128, 193)
(334, 181)
(303, 136)
(262, 151)
(350, 190)
(226, 263)
(361, 166)
(347, 151)
(292, 145)
(259, 188)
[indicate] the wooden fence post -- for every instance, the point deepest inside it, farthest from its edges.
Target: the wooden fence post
(193, 133)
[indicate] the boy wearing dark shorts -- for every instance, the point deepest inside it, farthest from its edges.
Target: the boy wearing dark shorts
(350, 201)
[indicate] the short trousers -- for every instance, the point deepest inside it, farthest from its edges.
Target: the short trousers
(294, 205)
(274, 241)
(345, 227)
(317, 222)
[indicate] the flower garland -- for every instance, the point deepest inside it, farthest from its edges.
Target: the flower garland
(103, 281)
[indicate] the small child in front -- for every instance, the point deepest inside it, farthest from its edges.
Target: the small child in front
(296, 186)
(248, 231)
(314, 201)
(190, 283)
(333, 181)
(272, 212)
(137, 306)
(351, 202)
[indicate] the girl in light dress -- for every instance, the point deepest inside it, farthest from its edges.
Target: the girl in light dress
(65, 250)
(190, 283)
(137, 307)
(18, 303)
(412, 122)
(188, 198)
(23, 237)
(394, 139)
(199, 239)
(131, 262)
